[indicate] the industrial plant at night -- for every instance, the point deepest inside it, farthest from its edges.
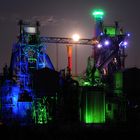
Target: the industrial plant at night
(34, 93)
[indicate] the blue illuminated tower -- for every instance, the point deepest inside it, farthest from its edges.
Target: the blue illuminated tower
(28, 55)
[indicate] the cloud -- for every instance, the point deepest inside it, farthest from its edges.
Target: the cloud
(45, 20)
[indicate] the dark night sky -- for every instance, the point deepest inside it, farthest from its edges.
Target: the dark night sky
(62, 18)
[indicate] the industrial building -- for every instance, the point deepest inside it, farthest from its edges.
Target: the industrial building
(33, 92)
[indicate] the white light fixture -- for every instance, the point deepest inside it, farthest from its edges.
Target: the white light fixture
(31, 30)
(99, 45)
(106, 43)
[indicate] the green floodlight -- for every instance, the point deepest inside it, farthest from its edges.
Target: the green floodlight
(111, 30)
(98, 14)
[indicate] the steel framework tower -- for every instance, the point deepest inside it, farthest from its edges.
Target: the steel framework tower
(28, 54)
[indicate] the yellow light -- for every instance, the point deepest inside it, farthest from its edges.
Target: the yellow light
(76, 37)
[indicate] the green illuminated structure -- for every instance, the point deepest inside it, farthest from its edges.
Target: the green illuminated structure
(42, 109)
(92, 105)
(116, 104)
(39, 111)
(111, 108)
(118, 83)
(98, 14)
(110, 30)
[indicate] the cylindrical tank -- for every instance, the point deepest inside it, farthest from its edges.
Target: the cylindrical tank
(92, 105)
